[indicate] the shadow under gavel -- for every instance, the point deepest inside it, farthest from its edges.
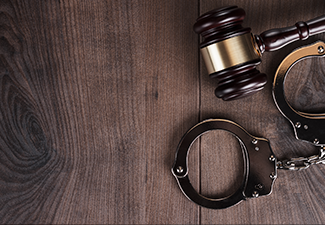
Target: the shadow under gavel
(231, 53)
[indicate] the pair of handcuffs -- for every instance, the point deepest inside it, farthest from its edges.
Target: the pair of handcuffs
(260, 164)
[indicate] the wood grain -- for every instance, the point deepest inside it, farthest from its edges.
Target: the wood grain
(95, 96)
(305, 85)
(88, 125)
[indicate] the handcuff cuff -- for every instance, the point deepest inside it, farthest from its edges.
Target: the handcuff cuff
(260, 164)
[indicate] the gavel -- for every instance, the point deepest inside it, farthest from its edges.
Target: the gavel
(231, 52)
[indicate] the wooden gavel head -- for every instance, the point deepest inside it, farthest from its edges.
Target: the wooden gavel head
(231, 52)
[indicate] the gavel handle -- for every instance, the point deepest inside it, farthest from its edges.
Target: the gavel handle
(275, 39)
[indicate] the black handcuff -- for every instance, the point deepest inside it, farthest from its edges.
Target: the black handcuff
(260, 164)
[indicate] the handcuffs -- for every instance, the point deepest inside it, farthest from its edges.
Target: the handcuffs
(260, 164)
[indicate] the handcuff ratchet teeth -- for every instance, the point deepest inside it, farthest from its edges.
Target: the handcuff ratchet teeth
(260, 164)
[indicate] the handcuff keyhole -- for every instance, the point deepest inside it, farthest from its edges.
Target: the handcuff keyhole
(220, 168)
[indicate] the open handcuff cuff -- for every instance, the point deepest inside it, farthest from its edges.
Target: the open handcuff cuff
(260, 164)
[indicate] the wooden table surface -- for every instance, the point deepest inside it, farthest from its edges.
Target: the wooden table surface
(96, 95)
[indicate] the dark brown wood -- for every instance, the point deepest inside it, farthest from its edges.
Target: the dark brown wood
(96, 95)
(88, 130)
(304, 86)
(275, 39)
(239, 81)
(220, 24)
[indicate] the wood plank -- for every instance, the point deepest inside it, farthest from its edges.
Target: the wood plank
(298, 197)
(95, 96)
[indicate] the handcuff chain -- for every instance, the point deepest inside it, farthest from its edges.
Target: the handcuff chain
(302, 162)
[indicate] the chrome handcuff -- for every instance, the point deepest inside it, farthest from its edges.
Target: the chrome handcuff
(260, 164)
